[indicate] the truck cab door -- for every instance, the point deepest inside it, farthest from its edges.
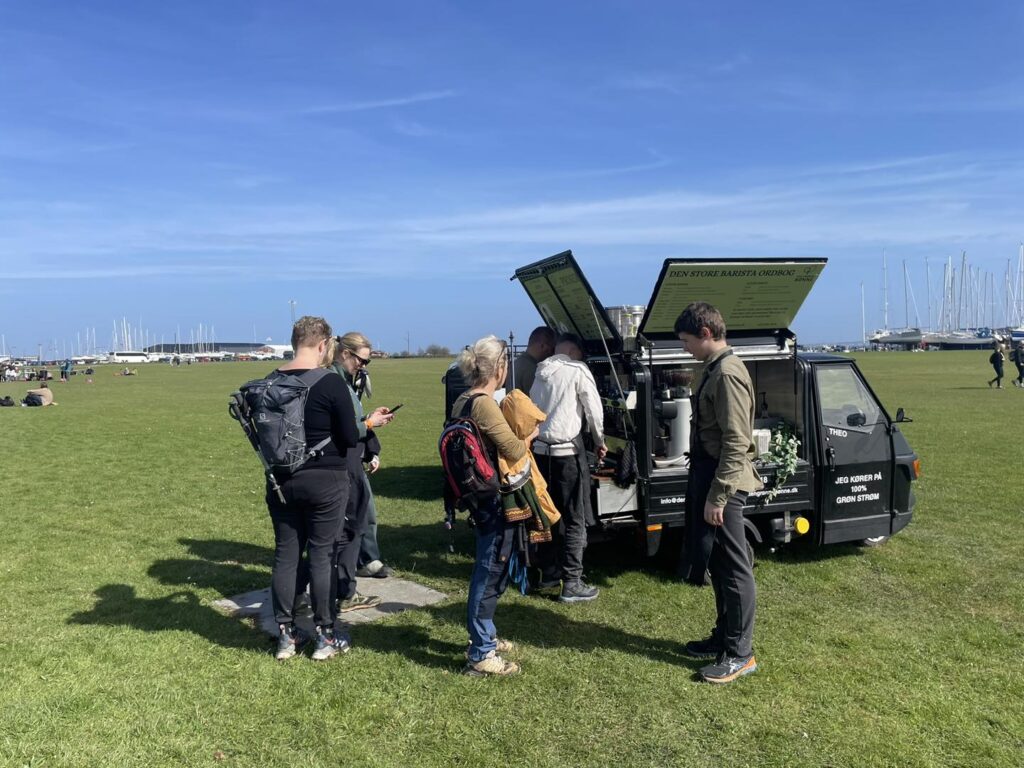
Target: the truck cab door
(855, 454)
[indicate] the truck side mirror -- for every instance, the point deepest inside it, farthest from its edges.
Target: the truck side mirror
(901, 416)
(857, 419)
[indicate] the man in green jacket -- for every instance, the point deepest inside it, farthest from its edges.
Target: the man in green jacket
(721, 476)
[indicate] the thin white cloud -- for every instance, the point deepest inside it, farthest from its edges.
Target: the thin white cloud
(932, 204)
(363, 106)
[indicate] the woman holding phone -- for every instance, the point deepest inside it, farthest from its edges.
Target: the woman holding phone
(351, 355)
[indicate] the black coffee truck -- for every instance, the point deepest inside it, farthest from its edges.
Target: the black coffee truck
(835, 465)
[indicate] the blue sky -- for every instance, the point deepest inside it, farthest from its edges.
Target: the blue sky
(389, 165)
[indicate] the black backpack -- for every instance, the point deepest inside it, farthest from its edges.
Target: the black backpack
(7, 402)
(470, 475)
(276, 409)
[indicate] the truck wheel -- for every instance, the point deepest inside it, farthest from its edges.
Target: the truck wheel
(874, 541)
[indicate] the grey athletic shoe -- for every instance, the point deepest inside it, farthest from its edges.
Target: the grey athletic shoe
(577, 592)
(290, 640)
(329, 644)
(375, 569)
(728, 668)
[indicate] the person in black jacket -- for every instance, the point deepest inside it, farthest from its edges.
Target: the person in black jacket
(996, 359)
(315, 497)
(1018, 359)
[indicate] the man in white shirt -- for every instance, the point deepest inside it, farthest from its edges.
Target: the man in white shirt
(565, 390)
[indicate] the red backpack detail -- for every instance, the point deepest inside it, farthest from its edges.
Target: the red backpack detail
(470, 475)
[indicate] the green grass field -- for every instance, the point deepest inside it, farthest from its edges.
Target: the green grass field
(136, 503)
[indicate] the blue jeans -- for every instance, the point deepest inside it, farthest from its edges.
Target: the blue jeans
(494, 541)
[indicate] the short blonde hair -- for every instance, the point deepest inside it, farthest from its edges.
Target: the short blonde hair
(309, 331)
(480, 362)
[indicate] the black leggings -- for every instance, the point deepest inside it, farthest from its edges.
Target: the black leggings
(308, 521)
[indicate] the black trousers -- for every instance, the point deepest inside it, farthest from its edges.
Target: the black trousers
(732, 578)
(562, 558)
(309, 521)
(351, 533)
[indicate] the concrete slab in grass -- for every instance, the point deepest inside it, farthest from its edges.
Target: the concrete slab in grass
(396, 595)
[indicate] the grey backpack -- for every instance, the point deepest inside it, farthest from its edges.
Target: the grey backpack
(276, 409)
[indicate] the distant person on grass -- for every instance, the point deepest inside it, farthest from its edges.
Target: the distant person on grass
(315, 498)
(539, 348)
(350, 355)
(996, 360)
(484, 367)
(1017, 356)
(721, 476)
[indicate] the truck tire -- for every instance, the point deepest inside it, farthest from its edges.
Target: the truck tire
(874, 541)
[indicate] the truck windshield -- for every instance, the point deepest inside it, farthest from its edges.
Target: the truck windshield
(845, 402)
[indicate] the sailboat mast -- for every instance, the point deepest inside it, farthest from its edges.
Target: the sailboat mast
(885, 293)
(928, 285)
(906, 302)
(863, 321)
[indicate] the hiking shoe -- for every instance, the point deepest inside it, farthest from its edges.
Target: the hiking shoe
(503, 646)
(329, 644)
(375, 569)
(708, 648)
(358, 602)
(290, 640)
(491, 665)
(577, 592)
(728, 668)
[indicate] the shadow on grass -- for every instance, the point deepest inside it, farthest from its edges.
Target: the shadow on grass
(224, 551)
(523, 622)
(423, 483)
(118, 605)
(227, 578)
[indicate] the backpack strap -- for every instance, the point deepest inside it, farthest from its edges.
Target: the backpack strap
(468, 405)
(310, 379)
